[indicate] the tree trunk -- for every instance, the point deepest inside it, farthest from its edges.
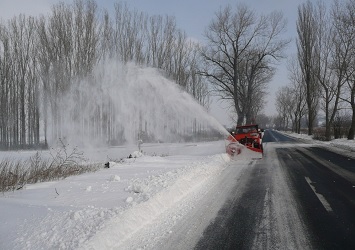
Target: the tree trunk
(327, 121)
(240, 120)
(352, 128)
(310, 123)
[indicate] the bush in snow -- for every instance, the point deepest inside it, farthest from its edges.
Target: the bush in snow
(64, 163)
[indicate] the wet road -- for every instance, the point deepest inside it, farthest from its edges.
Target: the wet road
(299, 196)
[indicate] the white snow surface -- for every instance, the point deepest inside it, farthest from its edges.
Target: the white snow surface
(107, 209)
(134, 204)
(342, 144)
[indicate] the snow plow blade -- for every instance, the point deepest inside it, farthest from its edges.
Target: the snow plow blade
(255, 149)
(238, 151)
(233, 149)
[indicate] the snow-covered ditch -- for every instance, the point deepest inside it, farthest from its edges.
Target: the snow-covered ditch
(102, 210)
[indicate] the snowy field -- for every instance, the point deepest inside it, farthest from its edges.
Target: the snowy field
(106, 209)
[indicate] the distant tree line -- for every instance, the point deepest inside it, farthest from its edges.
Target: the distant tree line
(42, 57)
(322, 75)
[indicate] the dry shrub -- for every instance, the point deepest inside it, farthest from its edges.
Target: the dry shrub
(14, 175)
(319, 134)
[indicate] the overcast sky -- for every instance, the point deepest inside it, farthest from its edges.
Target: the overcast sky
(193, 16)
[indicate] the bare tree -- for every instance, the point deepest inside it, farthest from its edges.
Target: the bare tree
(344, 19)
(307, 32)
(6, 78)
(106, 47)
(20, 89)
(298, 92)
(196, 86)
(264, 121)
(85, 37)
(68, 51)
(341, 124)
(129, 36)
(325, 54)
(284, 105)
(239, 56)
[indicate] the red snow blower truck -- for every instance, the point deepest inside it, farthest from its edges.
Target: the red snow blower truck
(248, 135)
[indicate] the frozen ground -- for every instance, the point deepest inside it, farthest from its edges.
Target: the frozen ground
(106, 209)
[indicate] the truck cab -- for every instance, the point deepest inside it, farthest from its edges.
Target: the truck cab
(250, 136)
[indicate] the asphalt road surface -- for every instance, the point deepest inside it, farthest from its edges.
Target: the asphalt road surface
(299, 196)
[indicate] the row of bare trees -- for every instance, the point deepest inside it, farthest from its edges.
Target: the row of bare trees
(322, 76)
(240, 55)
(41, 58)
(19, 119)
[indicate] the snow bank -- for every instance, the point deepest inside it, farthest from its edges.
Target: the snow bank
(187, 179)
(104, 209)
(342, 143)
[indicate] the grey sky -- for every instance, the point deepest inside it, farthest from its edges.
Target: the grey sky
(193, 16)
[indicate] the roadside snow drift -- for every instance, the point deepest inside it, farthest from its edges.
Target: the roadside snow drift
(104, 209)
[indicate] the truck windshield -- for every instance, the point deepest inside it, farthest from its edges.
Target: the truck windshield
(245, 130)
